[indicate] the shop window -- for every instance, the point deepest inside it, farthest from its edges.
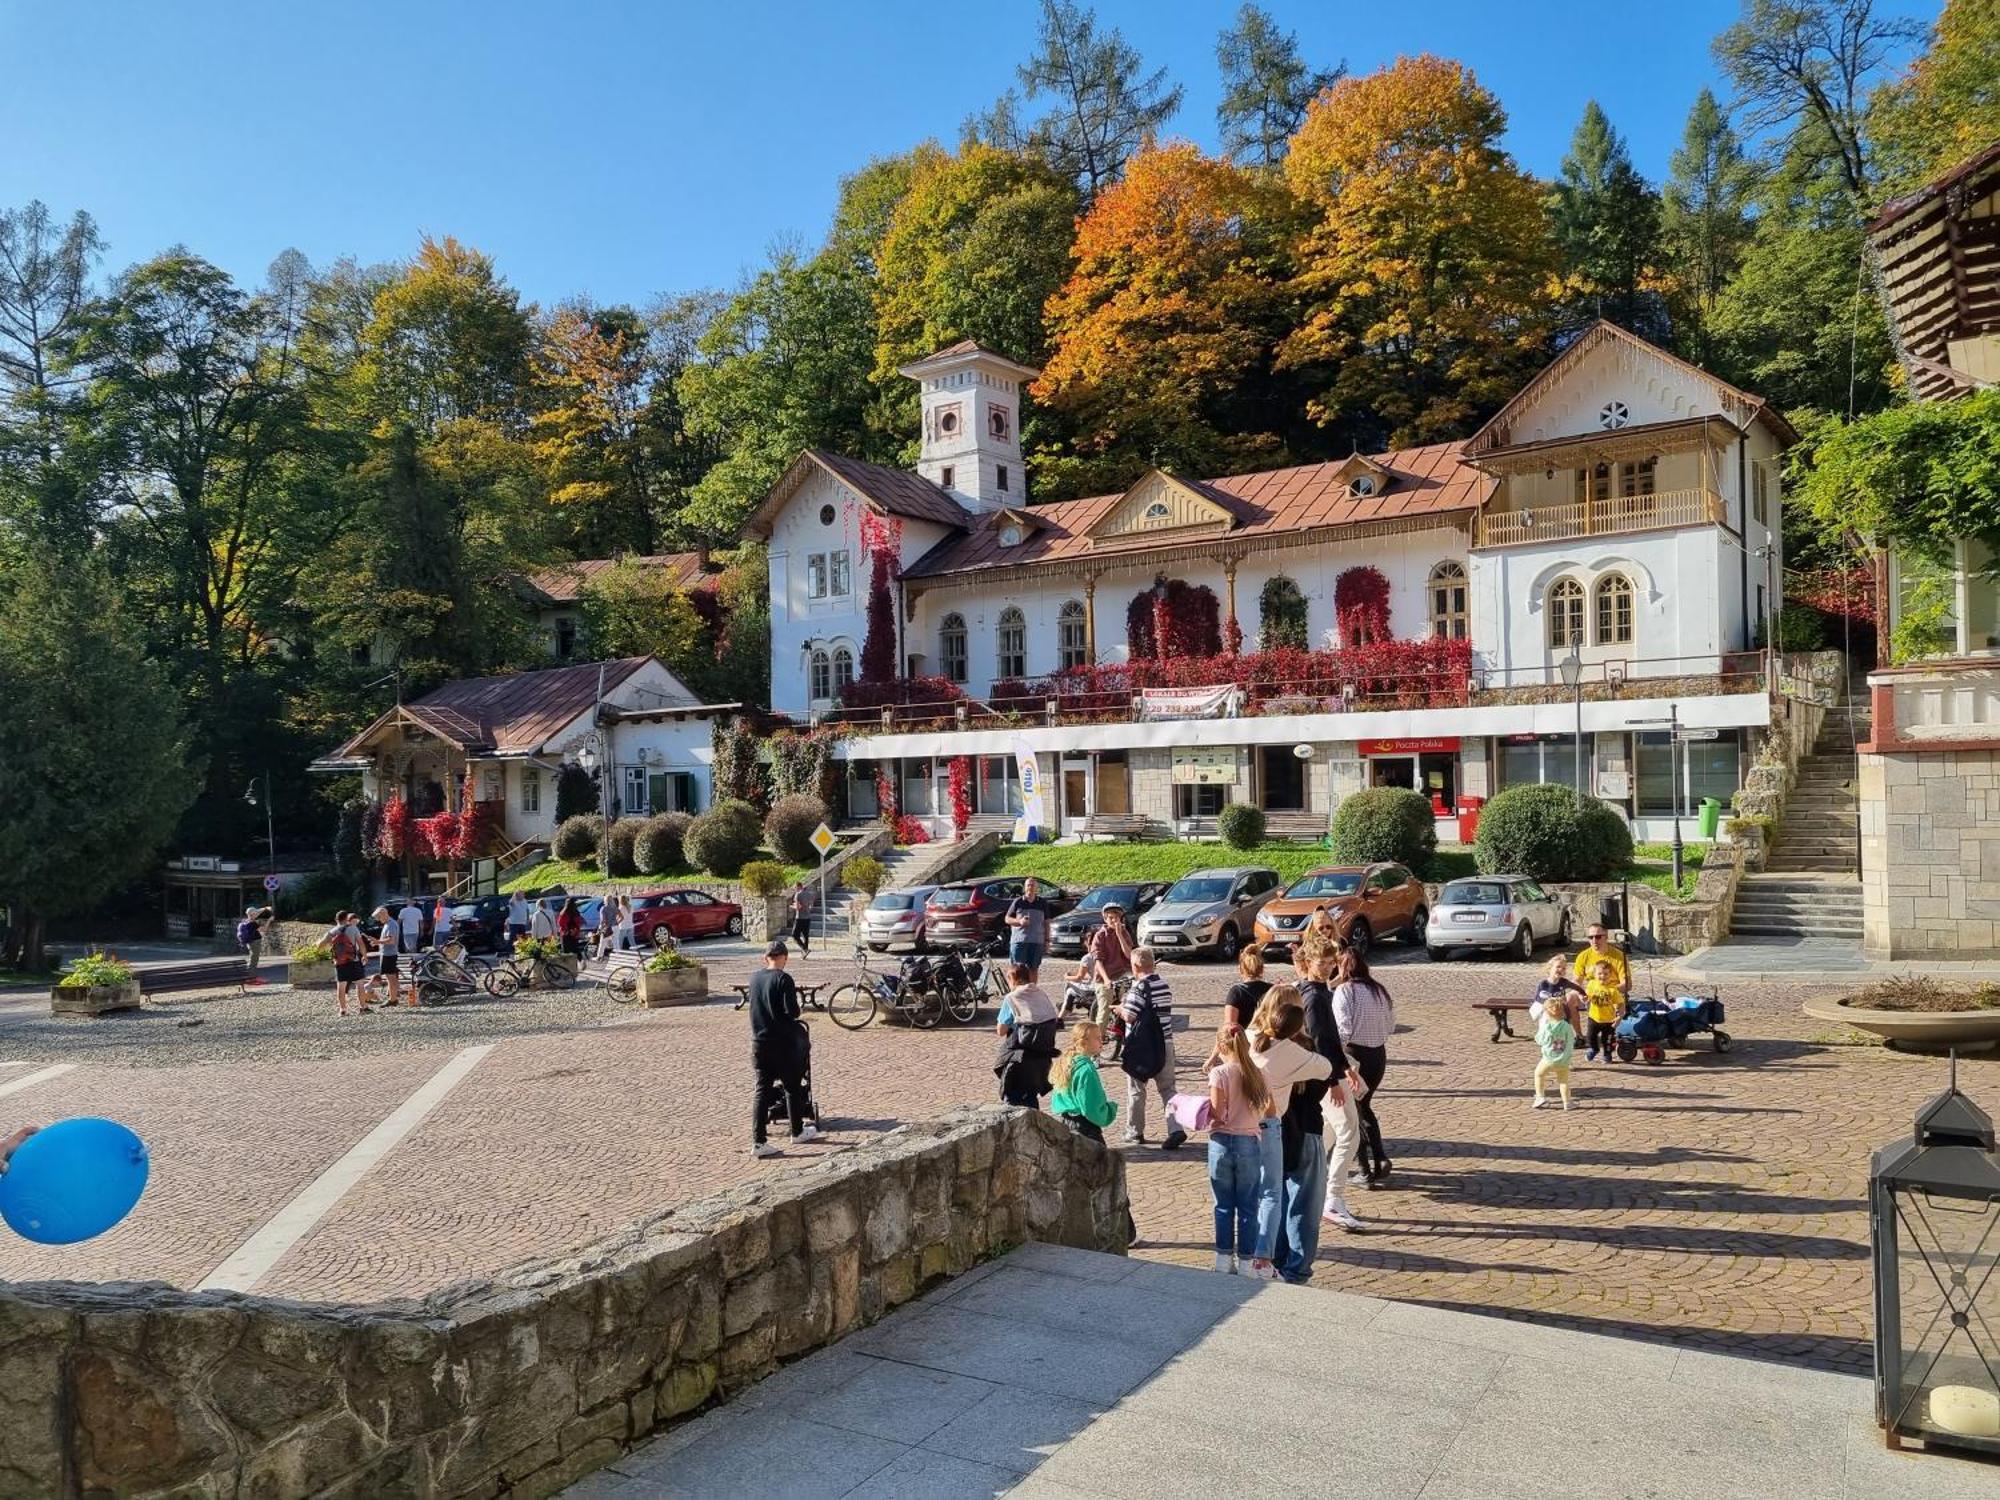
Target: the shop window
(951, 647)
(1072, 646)
(1198, 801)
(1614, 610)
(1565, 610)
(1448, 613)
(1547, 758)
(1281, 778)
(1013, 658)
(1709, 768)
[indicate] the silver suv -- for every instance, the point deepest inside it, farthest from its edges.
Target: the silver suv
(1209, 911)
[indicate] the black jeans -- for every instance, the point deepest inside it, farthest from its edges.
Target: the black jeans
(1371, 1063)
(802, 927)
(779, 1070)
(1601, 1034)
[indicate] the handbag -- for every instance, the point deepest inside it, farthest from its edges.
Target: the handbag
(1190, 1112)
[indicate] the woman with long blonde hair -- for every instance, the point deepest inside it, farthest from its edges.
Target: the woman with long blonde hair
(1238, 1101)
(1079, 1100)
(1278, 1055)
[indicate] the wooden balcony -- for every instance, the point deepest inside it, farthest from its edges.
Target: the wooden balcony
(1499, 527)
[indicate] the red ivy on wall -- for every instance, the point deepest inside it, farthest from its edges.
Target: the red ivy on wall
(882, 540)
(885, 794)
(1361, 606)
(961, 794)
(1181, 619)
(1424, 673)
(435, 837)
(395, 827)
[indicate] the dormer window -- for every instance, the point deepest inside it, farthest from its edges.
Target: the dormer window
(1010, 535)
(1158, 511)
(1362, 484)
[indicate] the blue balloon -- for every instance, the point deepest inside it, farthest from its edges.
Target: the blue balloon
(73, 1180)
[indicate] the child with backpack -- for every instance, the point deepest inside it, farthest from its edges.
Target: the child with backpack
(1148, 1058)
(349, 967)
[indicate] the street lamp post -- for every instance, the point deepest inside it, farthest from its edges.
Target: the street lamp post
(1571, 667)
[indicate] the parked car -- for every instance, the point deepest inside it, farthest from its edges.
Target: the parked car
(1071, 934)
(588, 907)
(1495, 912)
(1209, 911)
(686, 912)
(896, 917)
(968, 913)
(480, 927)
(1366, 902)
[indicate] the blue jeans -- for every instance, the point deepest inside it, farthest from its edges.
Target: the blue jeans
(1270, 1186)
(1305, 1198)
(1234, 1165)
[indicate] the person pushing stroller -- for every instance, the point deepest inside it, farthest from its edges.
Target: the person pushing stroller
(780, 1050)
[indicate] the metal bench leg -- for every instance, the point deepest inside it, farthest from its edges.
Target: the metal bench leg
(1499, 1023)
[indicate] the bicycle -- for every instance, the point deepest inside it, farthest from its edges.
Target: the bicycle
(853, 1005)
(511, 973)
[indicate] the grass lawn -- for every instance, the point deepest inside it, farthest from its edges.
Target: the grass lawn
(1081, 865)
(554, 872)
(1653, 865)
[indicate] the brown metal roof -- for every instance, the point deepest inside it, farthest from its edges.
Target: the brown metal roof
(513, 713)
(1937, 262)
(564, 583)
(895, 492)
(1429, 481)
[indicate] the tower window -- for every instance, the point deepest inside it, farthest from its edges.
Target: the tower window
(946, 475)
(1002, 471)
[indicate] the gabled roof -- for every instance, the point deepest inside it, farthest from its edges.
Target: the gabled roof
(1429, 482)
(1741, 407)
(514, 713)
(894, 492)
(1937, 261)
(564, 583)
(953, 354)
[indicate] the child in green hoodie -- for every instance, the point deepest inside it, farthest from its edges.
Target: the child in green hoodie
(1079, 1100)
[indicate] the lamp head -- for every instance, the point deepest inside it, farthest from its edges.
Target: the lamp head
(1571, 667)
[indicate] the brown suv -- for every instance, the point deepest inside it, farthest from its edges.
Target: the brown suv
(1366, 902)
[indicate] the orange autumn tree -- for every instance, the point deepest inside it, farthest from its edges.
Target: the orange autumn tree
(1426, 275)
(1162, 338)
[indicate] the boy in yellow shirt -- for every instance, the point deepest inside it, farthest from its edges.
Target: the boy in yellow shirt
(1606, 998)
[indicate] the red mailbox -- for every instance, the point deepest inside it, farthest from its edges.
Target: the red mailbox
(1468, 818)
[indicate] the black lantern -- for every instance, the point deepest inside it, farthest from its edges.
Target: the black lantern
(1934, 1213)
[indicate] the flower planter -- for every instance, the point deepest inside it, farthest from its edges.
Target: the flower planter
(683, 986)
(93, 999)
(538, 972)
(312, 974)
(1915, 1030)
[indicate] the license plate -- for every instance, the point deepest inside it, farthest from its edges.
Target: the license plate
(1168, 937)
(1468, 916)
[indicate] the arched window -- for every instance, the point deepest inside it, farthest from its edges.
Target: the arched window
(1448, 615)
(951, 647)
(1013, 660)
(1565, 606)
(1614, 610)
(843, 668)
(1072, 644)
(1281, 615)
(822, 677)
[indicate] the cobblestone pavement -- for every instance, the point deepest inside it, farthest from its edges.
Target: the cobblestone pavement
(1716, 1200)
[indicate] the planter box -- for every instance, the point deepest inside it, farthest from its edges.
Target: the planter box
(312, 974)
(93, 999)
(687, 986)
(538, 975)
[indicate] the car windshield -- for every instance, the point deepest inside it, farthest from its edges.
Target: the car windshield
(1197, 890)
(1474, 893)
(1323, 883)
(464, 913)
(893, 901)
(1105, 895)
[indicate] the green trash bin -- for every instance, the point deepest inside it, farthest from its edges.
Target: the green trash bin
(1711, 816)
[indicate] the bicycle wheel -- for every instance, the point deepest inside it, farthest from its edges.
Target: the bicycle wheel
(851, 1007)
(927, 1010)
(562, 973)
(501, 981)
(963, 1006)
(430, 992)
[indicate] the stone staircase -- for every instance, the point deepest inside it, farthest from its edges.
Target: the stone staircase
(1810, 888)
(907, 867)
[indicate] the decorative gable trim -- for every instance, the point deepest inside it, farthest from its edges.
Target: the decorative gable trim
(1375, 478)
(1160, 506)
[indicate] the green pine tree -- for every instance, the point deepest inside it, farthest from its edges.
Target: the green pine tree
(1605, 219)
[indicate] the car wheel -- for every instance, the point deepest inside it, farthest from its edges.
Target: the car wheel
(1360, 937)
(735, 927)
(1420, 920)
(1563, 930)
(1437, 955)
(1227, 943)
(1524, 943)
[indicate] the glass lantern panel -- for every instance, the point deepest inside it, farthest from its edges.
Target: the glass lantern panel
(1949, 1300)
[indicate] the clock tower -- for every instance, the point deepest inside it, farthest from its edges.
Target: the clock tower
(972, 424)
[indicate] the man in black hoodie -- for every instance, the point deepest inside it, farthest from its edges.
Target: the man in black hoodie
(1304, 1134)
(778, 1048)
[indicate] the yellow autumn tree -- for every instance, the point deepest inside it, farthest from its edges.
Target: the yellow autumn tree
(1162, 338)
(1425, 278)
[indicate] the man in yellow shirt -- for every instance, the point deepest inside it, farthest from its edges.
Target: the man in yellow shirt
(1607, 998)
(1601, 951)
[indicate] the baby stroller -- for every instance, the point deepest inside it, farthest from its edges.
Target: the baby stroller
(774, 1098)
(1649, 1027)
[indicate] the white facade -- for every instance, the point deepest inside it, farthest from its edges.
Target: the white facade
(971, 408)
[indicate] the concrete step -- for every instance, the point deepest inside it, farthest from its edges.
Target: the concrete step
(1742, 929)
(1802, 910)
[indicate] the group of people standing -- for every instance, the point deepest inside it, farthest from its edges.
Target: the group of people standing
(1597, 986)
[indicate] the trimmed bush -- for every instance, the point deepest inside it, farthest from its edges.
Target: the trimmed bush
(1547, 832)
(788, 827)
(722, 839)
(1385, 823)
(864, 873)
(1241, 825)
(577, 839)
(620, 843)
(660, 846)
(764, 877)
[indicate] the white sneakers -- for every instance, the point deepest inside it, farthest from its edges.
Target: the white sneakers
(765, 1148)
(1539, 1104)
(1265, 1272)
(1225, 1263)
(810, 1133)
(1337, 1213)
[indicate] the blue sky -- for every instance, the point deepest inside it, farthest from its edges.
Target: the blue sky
(626, 150)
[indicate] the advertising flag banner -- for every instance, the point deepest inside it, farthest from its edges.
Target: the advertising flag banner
(1032, 826)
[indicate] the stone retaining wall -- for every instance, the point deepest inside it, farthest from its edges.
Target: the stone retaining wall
(518, 1386)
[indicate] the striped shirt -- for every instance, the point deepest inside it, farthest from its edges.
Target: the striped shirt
(1365, 1014)
(1152, 990)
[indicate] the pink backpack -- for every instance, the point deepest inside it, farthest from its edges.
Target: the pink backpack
(1190, 1112)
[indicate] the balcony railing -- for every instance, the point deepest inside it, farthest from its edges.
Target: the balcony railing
(1500, 527)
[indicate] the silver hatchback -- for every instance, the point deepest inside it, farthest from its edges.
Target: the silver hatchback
(896, 917)
(1493, 913)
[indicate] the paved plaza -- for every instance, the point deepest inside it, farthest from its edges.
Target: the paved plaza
(1714, 1202)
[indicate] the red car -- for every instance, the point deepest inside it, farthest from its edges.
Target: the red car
(686, 913)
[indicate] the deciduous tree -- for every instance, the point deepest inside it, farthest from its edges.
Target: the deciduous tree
(1947, 106)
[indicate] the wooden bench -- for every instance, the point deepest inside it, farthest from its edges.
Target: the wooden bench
(1500, 1010)
(201, 974)
(808, 996)
(1299, 824)
(1118, 826)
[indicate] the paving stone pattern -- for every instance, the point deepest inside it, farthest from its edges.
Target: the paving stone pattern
(1715, 1201)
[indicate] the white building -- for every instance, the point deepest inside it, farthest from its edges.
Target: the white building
(631, 718)
(1622, 509)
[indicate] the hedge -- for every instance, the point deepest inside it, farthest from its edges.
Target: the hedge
(722, 839)
(1240, 825)
(1385, 823)
(660, 850)
(1547, 832)
(620, 848)
(577, 839)
(788, 827)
